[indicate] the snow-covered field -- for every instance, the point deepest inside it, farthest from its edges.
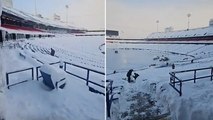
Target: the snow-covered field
(31, 101)
(140, 101)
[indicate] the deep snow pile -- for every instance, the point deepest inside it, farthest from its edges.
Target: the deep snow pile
(196, 101)
(75, 101)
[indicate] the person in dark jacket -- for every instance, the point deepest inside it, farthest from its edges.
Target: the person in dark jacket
(129, 73)
(52, 52)
(173, 66)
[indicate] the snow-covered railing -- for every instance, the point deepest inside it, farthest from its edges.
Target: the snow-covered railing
(65, 69)
(8, 80)
(15, 72)
(88, 73)
(175, 80)
(110, 95)
(78, 76)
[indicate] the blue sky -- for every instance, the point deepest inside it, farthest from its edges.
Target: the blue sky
(137, 18)
(83, 13)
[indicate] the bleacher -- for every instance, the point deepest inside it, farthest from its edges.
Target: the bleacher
(15, 22)
(196, 34)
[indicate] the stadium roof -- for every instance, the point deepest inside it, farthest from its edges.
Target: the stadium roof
(36, 19)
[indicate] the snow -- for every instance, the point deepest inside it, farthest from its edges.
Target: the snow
(75, 101)
(55, 73)
(194, 104)
(66, 104)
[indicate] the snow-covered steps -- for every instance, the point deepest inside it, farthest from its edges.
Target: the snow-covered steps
(66, 104)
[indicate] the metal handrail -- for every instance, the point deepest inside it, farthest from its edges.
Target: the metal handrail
(18, 71)
(88, 71)
(190, 70)
(173, 77)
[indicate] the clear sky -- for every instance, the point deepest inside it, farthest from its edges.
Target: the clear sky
(82, 13)
(137, 18)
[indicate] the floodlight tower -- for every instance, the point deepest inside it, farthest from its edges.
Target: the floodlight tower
(188, 16)
(157, 24)
(67, 7)
(35, 8)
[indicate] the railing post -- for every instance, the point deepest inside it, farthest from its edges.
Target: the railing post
(107, 104)
(65, 65)
(7, 80)
(32, 74)
(37, 73)
(174, 78)
(195, 76)
(111, 87)
(180, 88)
(87, 77)
(211, 73)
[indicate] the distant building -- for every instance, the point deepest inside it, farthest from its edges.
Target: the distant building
(112, 33)
(93, 33)
(169, 29)
(211, 22)
(7, 3)
(56, 17)
(39, 15)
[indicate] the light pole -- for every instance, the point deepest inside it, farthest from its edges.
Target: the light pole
(157, 24)
(188, 15)
(35, 8)
(67, 7)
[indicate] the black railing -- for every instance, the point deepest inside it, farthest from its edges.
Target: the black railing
(173, 83)
(8, 80)
(174, 80)
(87, 79)
(110, 95)
(15, 72)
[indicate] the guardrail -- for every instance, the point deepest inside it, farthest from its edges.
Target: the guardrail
(174, 80)
(88, 73)
(78, 76)
(18, 71)
(65, 69)
(23, 70)
(110, 95)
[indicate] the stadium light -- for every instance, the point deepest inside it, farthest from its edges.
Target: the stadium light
(188, 16)
(35, 8)
(67, 7)
(157, 24)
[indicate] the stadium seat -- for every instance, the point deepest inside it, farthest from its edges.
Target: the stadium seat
(51, 78)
